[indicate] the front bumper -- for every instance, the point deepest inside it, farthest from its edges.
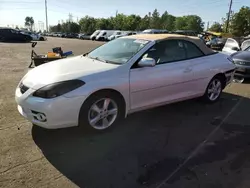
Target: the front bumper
(243, 71)
(59, 112)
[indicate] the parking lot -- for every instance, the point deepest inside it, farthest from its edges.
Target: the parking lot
(188, 144)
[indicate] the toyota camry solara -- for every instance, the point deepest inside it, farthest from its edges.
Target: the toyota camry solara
(128, 74)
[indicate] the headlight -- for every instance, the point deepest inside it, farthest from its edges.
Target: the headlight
(57, 89)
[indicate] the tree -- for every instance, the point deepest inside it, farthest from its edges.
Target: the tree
(155, 22)
(88, 24)
(167, 21)
(180, 23)
(29, 22)
(133, 22)
(216, 27)
(144, 24)
(190, 22)
(17, 27)
(240, 25)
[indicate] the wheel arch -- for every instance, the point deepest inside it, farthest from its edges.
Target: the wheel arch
(223, 78)
(114, 91)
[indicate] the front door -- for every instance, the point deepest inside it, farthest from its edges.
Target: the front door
(171, 79)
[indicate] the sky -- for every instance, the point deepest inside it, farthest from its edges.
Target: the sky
(13, 12)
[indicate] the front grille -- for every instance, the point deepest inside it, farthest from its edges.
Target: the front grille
(23, 88)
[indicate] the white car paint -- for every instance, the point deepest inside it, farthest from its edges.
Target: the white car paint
(141, 88)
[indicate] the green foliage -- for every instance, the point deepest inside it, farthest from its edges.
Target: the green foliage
(29, 22)
(68, 27)
(216, 27)
(241, 22)
(168, 21)
(134, 22)
(190, 22)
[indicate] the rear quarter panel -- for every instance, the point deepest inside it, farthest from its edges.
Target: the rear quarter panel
(205, 68)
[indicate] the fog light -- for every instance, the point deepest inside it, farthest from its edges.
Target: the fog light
(39, 116)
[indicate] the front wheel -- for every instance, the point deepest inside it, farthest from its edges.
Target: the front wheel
(101, 111)
(214, 90)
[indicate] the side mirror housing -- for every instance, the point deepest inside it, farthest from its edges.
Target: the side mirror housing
(147, 62)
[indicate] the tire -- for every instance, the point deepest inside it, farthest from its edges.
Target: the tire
(97, 102)
(41, 39)
(2, 39)
(214, 90)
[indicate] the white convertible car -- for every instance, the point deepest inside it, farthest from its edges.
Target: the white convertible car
(126, 75)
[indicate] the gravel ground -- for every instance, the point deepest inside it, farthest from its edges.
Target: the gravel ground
(148, 149)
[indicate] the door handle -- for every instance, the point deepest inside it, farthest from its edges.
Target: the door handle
(187, 70)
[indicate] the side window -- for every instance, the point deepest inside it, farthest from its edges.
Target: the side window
(192, 50)
(167, 51)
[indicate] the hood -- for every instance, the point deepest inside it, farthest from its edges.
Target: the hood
(241, 56)
(65, 69)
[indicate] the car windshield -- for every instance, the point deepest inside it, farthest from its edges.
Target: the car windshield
(247, 49)
(118, 51)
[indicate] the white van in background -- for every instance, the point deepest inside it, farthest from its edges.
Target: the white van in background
(93, 36)
(105, 34)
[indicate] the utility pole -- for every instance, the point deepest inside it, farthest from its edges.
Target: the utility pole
(47, 28)
(229, 14)
(207, 26)
(70, 17)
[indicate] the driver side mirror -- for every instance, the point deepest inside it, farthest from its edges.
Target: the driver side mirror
(147, 62)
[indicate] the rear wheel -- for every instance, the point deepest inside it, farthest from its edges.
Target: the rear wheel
(214, 90)
(2, 39)
(101, 111)
(41, 39)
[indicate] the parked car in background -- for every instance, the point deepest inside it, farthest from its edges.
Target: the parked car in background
(93, 36)
(35, 36)
(104, 35)
(119, 34)
(186, 32)
(13, 35)
(97, 89)
(85, 37)
(71, 35)
(216, 43)
(232, 45)
(116, 33)
(80, 35)
(154, 31)
(242, 61)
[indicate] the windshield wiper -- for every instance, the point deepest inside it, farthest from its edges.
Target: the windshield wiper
(97, 58)
(85, 54)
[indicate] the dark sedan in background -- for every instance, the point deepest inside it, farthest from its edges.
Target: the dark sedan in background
(242, 61)
(13, 35)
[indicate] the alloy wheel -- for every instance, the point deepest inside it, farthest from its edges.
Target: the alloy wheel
(214, 89)
(102, 113)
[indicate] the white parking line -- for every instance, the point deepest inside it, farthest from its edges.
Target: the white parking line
(200, 145)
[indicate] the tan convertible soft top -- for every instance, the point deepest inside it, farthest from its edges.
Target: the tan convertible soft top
(159, 37)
